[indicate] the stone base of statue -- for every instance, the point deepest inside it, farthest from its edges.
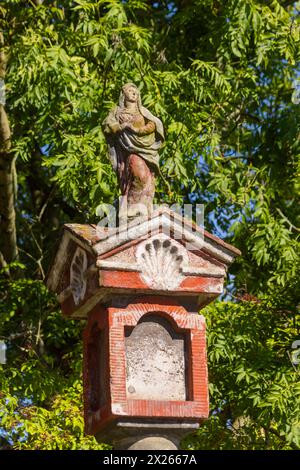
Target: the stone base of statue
(129, 212)
(140, 288)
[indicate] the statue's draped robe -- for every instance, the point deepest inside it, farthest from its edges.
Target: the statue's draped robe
(123, 143)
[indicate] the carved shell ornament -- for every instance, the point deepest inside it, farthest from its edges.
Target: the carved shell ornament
(161, 260)
(78, 275)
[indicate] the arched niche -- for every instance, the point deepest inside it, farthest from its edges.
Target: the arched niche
(156, 365)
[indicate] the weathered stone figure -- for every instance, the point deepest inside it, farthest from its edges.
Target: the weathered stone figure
(134, 137)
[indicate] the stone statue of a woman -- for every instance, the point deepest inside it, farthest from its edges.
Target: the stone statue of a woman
(134, 137)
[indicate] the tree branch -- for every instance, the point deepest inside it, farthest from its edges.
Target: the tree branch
(8, 234)
(277, 434)
(292, 226)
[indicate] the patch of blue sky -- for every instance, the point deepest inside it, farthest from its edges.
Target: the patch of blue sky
(17, 433)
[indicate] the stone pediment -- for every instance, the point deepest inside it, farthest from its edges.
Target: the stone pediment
(161, 254)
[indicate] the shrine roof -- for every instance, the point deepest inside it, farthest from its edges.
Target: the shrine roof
(92, 234)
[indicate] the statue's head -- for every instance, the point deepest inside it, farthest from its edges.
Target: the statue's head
(130, 92)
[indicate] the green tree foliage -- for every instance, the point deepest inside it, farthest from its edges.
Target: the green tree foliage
(221, 75)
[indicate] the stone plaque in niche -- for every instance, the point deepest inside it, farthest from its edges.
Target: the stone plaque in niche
(155, 361)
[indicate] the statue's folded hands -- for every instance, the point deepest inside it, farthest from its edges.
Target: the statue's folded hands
(144, 130)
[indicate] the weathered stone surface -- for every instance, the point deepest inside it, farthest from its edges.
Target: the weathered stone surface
(124, 432)
(152, 255)
(78, 275)
(161, 260)
(153, 443)
(155, 361)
